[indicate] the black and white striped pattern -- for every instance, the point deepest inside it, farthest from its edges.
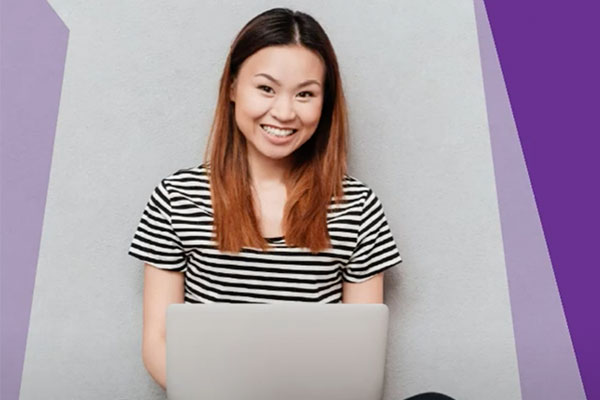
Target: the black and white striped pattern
(175, 233)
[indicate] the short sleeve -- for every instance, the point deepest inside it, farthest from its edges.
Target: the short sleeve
(155, 241)
(375, 249)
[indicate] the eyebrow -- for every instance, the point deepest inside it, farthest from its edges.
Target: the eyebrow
(305, 83)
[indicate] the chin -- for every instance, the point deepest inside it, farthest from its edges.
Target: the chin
(277, 155)
(275, 152)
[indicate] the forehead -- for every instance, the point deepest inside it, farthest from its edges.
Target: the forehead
(285, 63)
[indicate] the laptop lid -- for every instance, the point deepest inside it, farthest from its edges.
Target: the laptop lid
(291, 351)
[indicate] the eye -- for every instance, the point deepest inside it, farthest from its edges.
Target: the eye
(306, 94)
(265, 88)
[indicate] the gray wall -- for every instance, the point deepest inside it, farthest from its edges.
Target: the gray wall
(138, 96)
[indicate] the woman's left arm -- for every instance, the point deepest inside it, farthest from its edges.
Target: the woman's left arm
(370, 291)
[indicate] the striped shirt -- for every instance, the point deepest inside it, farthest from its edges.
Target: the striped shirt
(176, 233)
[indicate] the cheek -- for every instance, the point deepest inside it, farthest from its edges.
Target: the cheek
(311, 114)
(252, 106)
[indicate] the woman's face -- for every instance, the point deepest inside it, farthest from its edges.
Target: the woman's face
(278, 96)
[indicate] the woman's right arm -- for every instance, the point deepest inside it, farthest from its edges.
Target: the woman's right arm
(161, 288)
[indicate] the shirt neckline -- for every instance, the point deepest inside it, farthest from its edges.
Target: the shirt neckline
(274, 239)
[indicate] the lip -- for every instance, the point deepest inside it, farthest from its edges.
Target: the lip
(277, 140)
(280, 127)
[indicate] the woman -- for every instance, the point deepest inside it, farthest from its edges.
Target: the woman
(272, 215)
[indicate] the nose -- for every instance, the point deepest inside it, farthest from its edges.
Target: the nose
(283, 109)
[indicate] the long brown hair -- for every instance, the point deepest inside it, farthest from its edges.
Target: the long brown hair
(319, 164)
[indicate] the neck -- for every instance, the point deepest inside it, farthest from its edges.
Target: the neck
(267, 171)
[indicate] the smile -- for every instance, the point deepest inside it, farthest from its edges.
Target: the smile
(278, 132)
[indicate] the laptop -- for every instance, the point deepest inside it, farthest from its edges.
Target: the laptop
(281, 351)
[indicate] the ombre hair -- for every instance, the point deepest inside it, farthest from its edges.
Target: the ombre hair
(318, 166)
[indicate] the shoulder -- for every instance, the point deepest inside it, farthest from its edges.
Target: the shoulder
(355, 188)
(187, 177)
(361, 195)
(358, 197)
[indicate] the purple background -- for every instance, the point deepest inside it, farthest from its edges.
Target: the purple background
(538, 319)
(34, 43)
(550, 60)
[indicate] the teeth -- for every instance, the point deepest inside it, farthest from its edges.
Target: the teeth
(278, 132)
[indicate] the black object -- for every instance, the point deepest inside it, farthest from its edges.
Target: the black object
(430, 396)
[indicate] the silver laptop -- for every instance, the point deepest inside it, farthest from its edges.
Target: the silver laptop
(282, 351)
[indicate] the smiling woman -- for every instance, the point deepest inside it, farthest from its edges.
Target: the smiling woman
(271, 215)
(274, 112)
